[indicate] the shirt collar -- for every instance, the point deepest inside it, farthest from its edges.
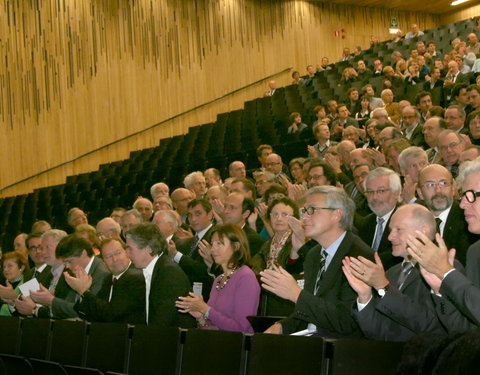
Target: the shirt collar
(148, 270)
(444, 214)
(41, 268)
(203, 231)
(89, 265)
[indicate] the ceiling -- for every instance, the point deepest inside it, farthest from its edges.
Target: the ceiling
(428, 6)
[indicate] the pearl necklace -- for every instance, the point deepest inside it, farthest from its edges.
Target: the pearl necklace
(221, 285)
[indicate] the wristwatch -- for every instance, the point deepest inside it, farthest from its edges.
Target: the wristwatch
(381, 292)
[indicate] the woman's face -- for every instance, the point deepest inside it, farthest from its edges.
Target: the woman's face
(222, 250)
(474, 126)
(365, 103)
(296, 172)
(11, 270)
(279, 217)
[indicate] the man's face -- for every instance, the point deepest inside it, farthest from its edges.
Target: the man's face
(180, 201)
(453, 118)
(144, 206)
(474, 127)
(316, 177)
(322, 133)
(351, 134)
(431, 47)
(425, 103)
(161, 203)
(342, 112)
(354, 95)
(198, 218)
(165, 226)
(472, 210)
(117, 215)
(436, 189)
(462, 97)
(359, 175)
(73, 263)
(161, 189)
(436, 74)
(421, 47)
(262, 184)
(320, 223)
(263, 156)
(401, 227)
(370, 91)
(409, 117)
(387, 97)
(211, 178)
(453, 67)
(377, 64)
(361, 65)
(357, 157)
(115, 257)
(214, 194)
(380, 197)
(450, 148)
(49, 245)
(414, 53)
(237, 170)
(474, 99)
(233, 209)
(431, 130)
(274, 164)
(78, 217)
(414, 166)
(198, 186)
(332, 106)
(128, 222)
(139, 257)
(35, 251)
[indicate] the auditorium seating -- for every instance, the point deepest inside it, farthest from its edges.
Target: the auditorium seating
(141, 350)
(234, 135)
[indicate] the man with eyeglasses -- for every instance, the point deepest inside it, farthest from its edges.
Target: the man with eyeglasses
(41, 270)
(383, 190)
(457, 296)
(320, 173)
(412, 128)
(450, 145)
(437, 189)
(323, 306)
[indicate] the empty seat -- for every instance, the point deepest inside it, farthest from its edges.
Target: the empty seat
(68, 342)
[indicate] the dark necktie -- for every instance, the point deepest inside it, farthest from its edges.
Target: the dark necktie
(114, 281)
(194, 245)
(406, 268)
(321, 270)
(438, 222)
(378, 233)
(36, 274)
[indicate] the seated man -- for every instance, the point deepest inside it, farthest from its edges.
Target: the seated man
(164, 280)
(122, 296)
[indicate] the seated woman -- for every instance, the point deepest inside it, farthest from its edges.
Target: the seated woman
(235, 293)
(296, 124)
(413, 75)
(296, 170)
(473, 123)
(14, 266)
(278, 251)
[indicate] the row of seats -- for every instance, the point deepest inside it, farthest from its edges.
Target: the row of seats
(146, 350)
(233, 136)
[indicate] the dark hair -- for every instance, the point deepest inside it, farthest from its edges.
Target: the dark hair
(294, 115)
(287, 202)
(72, 246)
(471, 116)
(474, 87)
(457, 88)
(30, 236)
(318, 108)
(202, 202)
(328, 171)
(273, 189)
(420, 95)
(247, 185)
(148, 235)
(237, 237)
(106, 241)
(437, 111)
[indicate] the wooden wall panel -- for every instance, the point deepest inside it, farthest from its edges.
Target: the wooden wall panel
(473, 11)
(80, 74)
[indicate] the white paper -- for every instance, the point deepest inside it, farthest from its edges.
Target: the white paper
(28, 286)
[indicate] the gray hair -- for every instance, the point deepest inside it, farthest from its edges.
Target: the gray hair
(157, 185)
(393, 178)
(142, 198)
(270, 176)
(57, 234)
(411, 152)
(188, 180)
(135, 213)
(337, 198)
(169, 216)
(466, 169)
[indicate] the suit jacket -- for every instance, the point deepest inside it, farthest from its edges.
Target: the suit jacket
(329, 310)
(194, 266)
(254, 240)
(361, 203)
(456, 234)
(400, 315)
(366, 230)
(127, 304)
(44, 278)
(417, 137)
(65, 297)
(168, 283)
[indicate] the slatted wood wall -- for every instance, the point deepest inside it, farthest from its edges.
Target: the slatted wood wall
(76, 75)
(473, 11)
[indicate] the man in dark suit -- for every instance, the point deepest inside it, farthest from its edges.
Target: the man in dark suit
(412, 128)
(77, 255)
(356, 191)
(164, 280)
(436, 189)
(383, 190)
(41, 270)
(397, 304)
(121, 297)
(237, 209)
(323, 306)
(200, 216)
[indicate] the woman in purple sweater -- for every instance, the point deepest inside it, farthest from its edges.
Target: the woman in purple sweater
(235, 293)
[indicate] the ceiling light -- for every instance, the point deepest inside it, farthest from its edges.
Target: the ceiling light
(457, 2)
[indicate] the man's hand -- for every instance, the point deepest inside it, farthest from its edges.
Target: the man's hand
(334, 162)
(275, 329)
(171, 248)
(370, 273)
(204, 250)
(25, 305)
(312, 152)
(281, 283)
(81, 282)
(7, 293)
(435, 259)
(42, 296)
(183, 233)
(297, 193)
(409, 189)
(363, 290)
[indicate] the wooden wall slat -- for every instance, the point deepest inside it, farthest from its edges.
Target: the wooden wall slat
(79, 74)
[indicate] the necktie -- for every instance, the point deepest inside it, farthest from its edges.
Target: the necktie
(114, 281)
(321, 270)
(378, 233)
(438, 222)
(406, 268)
(36, 274)
(194, 245)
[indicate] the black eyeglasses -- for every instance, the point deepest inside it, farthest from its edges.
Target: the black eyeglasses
(471, 196)
(312, 209)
